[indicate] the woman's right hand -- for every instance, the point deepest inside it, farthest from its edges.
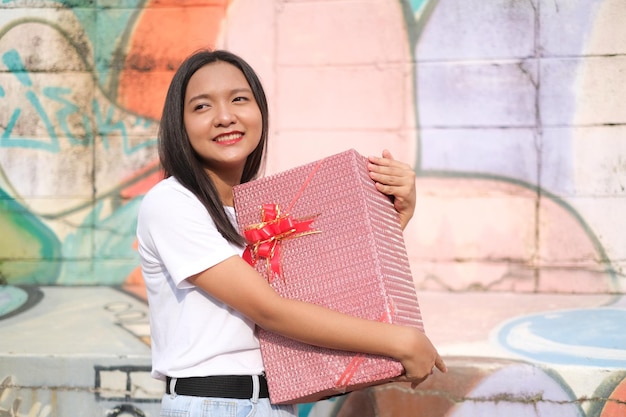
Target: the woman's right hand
(419, 359)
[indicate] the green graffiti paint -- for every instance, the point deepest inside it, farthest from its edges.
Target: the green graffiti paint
(32, 248)
(112, 237)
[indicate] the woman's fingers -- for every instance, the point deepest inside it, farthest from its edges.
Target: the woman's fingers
(395, 179)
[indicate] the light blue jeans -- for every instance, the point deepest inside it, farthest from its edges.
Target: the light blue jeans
(173, 405)
(185, 406)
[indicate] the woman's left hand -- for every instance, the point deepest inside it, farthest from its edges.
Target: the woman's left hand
(396, 179)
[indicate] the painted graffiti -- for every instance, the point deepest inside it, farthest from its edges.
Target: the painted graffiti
(86, 115)
(63, 127)
(103, 123)
(132, 319)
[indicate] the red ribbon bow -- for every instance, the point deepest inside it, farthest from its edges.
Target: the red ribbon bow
(264, 239)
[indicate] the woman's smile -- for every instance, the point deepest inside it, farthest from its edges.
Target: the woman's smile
(228, 138)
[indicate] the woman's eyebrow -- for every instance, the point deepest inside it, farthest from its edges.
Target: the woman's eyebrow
(231, 92)
(198, 97)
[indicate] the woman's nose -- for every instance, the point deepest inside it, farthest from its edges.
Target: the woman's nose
(224, 116)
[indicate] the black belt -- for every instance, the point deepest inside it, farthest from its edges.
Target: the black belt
(219, 386)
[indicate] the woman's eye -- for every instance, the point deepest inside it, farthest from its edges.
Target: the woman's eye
(241, 98)
(200, 106)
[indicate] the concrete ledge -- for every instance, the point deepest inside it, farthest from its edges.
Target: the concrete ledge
(76, 351)
(84, 351)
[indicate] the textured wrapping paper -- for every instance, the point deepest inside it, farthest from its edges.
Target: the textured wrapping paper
(347, 254)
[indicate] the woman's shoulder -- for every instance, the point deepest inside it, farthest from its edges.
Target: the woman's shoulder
(167, 194)
(167, 188)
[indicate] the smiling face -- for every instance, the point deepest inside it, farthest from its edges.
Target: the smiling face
(222, 118)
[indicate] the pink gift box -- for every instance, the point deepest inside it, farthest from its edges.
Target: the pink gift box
(350, 258)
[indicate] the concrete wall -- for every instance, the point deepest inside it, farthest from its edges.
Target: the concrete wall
(511, 113)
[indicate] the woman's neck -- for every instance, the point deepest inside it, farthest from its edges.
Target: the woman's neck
(224, 185)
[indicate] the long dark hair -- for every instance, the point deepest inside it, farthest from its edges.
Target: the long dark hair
(178, 158)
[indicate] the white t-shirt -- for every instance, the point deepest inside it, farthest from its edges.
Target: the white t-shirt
(192, 333)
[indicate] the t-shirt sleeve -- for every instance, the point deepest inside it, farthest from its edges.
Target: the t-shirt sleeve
(177, 233)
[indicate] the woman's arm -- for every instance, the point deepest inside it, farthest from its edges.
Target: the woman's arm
(237, 284)
(396, 179)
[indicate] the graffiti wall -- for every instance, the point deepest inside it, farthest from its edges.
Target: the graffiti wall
(507, 125)
(510, 112)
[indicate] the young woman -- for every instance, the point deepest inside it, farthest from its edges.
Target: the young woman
(204, 299)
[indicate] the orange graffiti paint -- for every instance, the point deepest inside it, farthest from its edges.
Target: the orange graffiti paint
(165, 33)
(616, 405)
(142, 180)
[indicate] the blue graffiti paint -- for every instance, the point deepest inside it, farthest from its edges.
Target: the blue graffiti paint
(105, 124)
(11, 298)
(69, 109)
(326, 407)
(418, 4)
(15, 65)
(588, 337)
(50, 145)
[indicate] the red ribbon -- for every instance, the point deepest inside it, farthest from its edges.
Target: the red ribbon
(264, 239)
(357, 360)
